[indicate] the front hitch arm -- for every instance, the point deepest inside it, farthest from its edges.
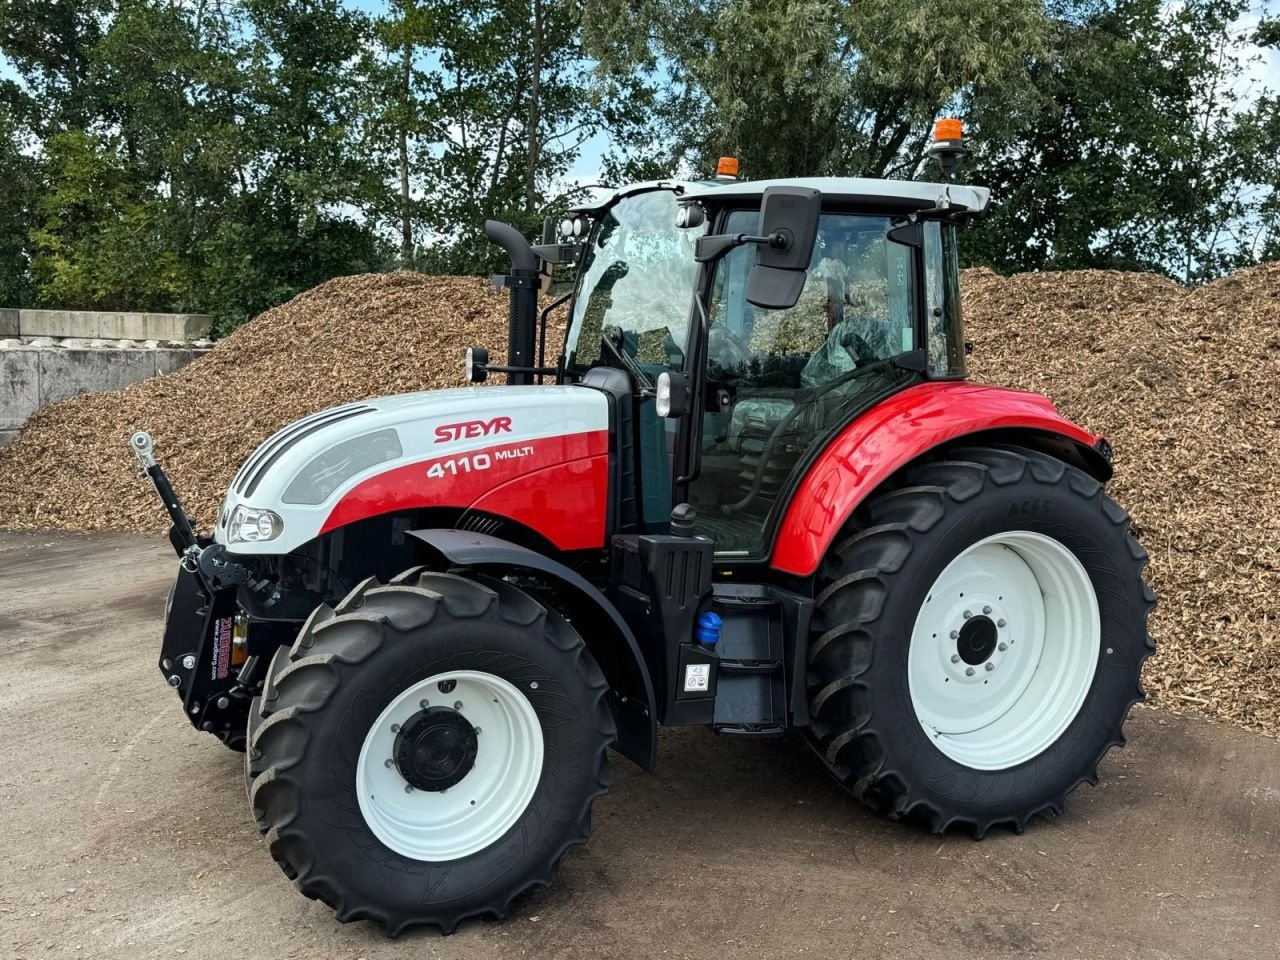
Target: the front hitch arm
(183, 535)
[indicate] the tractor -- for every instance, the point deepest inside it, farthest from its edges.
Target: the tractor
(752, 491)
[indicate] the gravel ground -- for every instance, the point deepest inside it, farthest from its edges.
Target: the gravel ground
(127, 834)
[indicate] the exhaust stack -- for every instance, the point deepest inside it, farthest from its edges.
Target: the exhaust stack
(522, 281)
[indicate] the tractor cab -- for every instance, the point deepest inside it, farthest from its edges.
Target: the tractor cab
(736, 387)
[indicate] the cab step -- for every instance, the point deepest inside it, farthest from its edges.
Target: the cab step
(751, 675)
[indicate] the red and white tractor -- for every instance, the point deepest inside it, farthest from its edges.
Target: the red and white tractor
(753, 492)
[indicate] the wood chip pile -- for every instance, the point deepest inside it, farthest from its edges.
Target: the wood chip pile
(1185, 384)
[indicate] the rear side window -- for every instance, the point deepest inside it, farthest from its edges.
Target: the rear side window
(942, 294)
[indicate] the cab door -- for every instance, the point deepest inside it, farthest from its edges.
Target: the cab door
(781, 382)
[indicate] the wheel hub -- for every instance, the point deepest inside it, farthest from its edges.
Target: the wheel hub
(977, 640)
(425, 789)
(435, 749)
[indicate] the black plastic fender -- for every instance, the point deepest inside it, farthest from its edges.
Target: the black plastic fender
(603, 629)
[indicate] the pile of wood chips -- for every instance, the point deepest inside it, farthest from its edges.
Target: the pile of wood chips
(1185, 384)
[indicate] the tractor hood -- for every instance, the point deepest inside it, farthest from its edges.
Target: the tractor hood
(475, 447)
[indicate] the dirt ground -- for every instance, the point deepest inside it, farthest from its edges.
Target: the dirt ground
(126, 834)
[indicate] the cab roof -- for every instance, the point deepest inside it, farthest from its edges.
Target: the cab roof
(909, 194)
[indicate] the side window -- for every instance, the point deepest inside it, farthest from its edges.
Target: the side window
(857, 306)
(791, 376)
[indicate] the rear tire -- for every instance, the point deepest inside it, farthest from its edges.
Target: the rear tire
(384, 794)
(923, 703)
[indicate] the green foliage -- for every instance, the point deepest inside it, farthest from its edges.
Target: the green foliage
(1135, 152)
(98, 240)
(814, 87)
(18, 173)
(222, 155)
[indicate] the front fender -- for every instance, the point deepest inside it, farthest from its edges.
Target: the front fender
(895, 432)
(605, 633)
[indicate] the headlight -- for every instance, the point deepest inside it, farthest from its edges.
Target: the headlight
(253, 525)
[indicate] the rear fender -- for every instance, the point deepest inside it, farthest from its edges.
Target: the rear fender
(903, 428)
(602, 628)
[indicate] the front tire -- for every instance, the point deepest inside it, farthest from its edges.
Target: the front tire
(428, 750)
(978, 640)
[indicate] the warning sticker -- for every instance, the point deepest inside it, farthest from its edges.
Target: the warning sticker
(697, 677)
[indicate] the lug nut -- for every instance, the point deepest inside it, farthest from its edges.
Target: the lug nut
(188, 662)
(968, 614)
(990, 666)
(478, 731)
(1002, 647)
(968, 671)
(424, 704)
(388, 763)
(955, 658)
(395, 728)
(408, 788)
(175, 680)
(986, 609)
(1000, 623)
(955, 634)
(457, 704)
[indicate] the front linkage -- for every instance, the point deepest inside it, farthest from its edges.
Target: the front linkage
(204, 656)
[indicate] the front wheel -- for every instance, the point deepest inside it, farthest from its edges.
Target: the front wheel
(978, 640)
(428, 750)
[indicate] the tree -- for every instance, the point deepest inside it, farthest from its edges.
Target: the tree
(1136, 151)
(98, 240)
(516, 101)
(813, 87)
(19, 174)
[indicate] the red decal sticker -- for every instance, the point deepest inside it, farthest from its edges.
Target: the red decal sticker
(557, 486)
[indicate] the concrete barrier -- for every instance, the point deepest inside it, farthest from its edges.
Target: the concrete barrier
(31, 377)
(19, 386)
(104, 325)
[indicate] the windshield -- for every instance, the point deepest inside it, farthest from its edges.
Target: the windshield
(635, 295)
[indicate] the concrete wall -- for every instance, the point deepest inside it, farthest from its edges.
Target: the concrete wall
(92, 325)
(30, 378)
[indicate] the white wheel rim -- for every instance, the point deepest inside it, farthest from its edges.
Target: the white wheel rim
(1043, 630)
(474, 813)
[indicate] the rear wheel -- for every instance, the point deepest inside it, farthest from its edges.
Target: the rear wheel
(428, 750)
(978, 640)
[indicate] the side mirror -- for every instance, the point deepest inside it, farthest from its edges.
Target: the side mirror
(789, 217)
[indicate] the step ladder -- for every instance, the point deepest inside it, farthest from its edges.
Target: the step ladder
(751, 675)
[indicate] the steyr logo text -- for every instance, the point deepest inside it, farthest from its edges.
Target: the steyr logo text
(472, 428)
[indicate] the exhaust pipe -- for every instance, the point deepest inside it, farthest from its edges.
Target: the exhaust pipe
(523, 311)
